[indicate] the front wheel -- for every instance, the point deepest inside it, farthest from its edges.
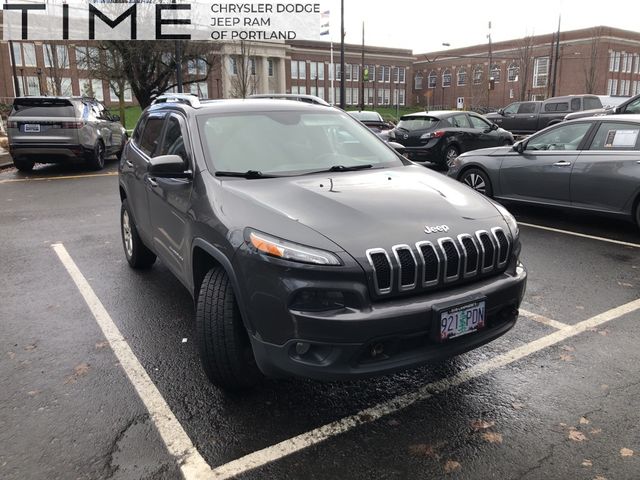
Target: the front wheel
(225, 350)
(478, 180)
(137, 254)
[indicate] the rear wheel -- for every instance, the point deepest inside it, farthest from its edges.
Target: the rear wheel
(23, 164)
(136, 252)
(96, 158)
(638, 214)
(450, 154)
(225, 350)
(478, 180)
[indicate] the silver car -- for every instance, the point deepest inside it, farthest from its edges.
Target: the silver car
(60, 129)
(587, 164)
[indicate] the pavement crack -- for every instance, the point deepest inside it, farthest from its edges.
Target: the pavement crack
(539, 463)
(113, 448)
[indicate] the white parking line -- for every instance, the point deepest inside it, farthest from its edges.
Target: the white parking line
(313, 437)
(576, 234)
(542, 319)
(192, 465)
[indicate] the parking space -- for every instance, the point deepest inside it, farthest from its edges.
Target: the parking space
(551, 399)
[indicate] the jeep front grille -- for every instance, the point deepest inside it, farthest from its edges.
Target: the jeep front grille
(442, 262)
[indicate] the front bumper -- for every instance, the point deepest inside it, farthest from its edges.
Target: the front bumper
(389, 336)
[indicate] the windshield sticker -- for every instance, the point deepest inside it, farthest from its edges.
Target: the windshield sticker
(621, 138)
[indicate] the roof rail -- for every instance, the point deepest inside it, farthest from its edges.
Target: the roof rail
(186, 98)
(293, 96)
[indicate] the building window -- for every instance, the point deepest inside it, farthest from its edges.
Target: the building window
(316, 71)
(355, 73)
(387, 96)
(29, 55)
(338, 71)
(56, 56)
(200, 89)
(433, 79)
(98, 93)
(446, 78)
(399, 75)
(540, 71)
(369, 73)
(270, 67)
(462, 76)
(384, 74)
(612, 87)
(495, 72)
(252, 65)
(33, 86)
(418, 81)
(294, 70)
(197, 66)
(513, 72)
(636, 89)
(625, 87)
(17, 54)
(477, 75)
(64, 83)
(614, 61)
(298, 69)
(399, 97)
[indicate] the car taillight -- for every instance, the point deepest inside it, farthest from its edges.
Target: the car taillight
(72, 124)
(436, 134)
(12, 124)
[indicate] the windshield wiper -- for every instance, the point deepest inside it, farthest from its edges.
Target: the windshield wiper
(342, 168)
(250, 174)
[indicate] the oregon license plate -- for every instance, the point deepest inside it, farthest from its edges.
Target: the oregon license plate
(462, 319)
(31, 128)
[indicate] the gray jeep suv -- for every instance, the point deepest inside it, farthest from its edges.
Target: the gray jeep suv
(60, 129)
(310, 246)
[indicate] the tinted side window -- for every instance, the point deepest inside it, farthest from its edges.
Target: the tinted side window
(477, 122)
(151, 135)
(575, 104)
(513, 108)
(591, 103)
(633, 107)
(616, 136)
(557, 107)
(459, 121)
(173, 143)
(138, 130)
(565, 137)
(529, 107)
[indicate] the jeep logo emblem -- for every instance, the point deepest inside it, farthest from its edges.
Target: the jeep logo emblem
(436, 229)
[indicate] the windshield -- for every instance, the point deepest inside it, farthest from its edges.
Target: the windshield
(417, 123)
(290, 142)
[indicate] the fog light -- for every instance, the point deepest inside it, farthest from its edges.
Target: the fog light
(377, 349)
(302, 348)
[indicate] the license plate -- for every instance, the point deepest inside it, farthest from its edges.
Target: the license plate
(31, 128)
(462, 319)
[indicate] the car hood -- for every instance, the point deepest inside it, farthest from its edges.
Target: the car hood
(360, 210)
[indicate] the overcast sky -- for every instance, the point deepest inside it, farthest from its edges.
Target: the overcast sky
(423, 25)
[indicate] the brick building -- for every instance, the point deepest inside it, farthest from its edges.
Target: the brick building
(599, 60)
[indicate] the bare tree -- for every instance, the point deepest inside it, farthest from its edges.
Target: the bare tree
(590, 66)
(242, 71)
(524, 58)
(56, 58)
(149, 67)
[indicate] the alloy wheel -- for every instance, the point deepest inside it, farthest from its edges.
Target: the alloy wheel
(476, 182)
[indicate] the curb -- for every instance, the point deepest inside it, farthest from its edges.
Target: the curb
(5, 161)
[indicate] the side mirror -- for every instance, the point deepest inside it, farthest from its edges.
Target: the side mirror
(518, 147)
(501, 111)
(169, 166)
(397, 147)
(617, 109)
(494, 126)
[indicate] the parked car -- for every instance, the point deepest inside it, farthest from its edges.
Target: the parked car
(440, 136)
(587, 164)
(630, 105)
(61, 129)
(310, 247)
(374, 122)
(524, 118)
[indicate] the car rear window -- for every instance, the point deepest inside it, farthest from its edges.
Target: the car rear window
(43, 108)
(591, 103)
(417, 123)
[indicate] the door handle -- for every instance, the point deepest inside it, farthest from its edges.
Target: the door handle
(562, 163)
(152, 182)
(129, 163)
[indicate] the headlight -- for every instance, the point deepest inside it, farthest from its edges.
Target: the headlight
(275, 247)
(510, 219)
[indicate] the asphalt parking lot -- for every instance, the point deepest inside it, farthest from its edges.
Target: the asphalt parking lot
(100, 377)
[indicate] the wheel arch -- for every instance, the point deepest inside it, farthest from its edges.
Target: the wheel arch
(204, 257)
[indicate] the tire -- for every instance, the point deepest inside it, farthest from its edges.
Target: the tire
(122, 145)
(225, 350)
(137, 254)
(637, 215)
(450, 154)
(96, 158)
(23, 165)
(478, 180)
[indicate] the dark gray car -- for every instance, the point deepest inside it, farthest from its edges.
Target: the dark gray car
(588, 164)
(309, 245)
